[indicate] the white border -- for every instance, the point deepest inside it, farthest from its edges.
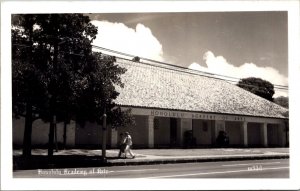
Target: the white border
(10, 7)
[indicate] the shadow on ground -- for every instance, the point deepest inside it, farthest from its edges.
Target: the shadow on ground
(58, 161)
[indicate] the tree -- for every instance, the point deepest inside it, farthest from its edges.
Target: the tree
(97, 99)
(69, 37)
(28, 92)
(283, 101)
(258, 87)
(136, 59)
(45, 65)
(99, 92)
(55, 74)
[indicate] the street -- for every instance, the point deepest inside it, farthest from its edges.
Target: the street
(273, 168)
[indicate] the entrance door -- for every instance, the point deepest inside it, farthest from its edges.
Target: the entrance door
(173, 132)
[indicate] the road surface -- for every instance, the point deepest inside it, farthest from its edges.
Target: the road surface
(275, 168)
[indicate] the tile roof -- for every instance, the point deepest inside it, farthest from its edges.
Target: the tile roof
(154, 87)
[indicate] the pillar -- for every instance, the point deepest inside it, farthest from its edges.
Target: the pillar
(264, 134)
(114, 138)
(150, 131)
(244, 134)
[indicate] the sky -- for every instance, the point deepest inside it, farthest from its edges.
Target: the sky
(237, 44)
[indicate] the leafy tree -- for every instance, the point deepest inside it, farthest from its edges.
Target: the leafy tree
(69, 38)
(283, 101)
(28, 91)
(56, 76)
(45, 55)
(99, 92)
(136, 59)
(258, 87)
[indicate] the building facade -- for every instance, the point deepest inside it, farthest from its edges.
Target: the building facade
(177, 108)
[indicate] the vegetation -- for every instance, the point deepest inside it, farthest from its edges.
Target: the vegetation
(57, 77)
(258, 87)
(283, 101)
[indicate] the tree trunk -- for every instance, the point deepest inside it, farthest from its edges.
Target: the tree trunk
(54, 93)
(28, 116)
(27, 131)
(65, 134)
(51, 136)
(55, 138)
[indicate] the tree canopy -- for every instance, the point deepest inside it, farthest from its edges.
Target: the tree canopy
(282, 101)
(55, 74)
(258, 86)
(50, 52)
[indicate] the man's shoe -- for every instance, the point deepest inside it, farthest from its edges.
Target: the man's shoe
(133, 157)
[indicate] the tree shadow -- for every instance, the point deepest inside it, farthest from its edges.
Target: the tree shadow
(58, 161)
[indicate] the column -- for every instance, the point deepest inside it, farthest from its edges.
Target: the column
(264, 134)
(114, 138)
(150, 131)
(244, 134)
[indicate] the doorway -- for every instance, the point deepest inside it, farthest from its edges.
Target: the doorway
(173, 132)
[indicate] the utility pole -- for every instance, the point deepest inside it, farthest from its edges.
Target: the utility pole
(53, 100)
(55, 134)
(104, 135)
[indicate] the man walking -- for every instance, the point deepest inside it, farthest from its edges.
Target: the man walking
(122, 145)
(128, 142)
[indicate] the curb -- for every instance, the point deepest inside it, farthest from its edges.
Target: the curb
(194, 160)
(82, 163)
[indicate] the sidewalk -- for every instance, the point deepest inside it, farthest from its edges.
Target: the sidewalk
(161, 156)
(91, 158)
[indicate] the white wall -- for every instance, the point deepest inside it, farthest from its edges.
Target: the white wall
(40, 132)
(18, 131)
(91, 134)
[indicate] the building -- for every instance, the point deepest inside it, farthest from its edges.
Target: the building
(168, 103)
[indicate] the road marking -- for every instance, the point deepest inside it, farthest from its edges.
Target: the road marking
(138, 170)
(249, 164)
(220, 172)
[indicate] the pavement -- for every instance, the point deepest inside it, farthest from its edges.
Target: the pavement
(92, 158)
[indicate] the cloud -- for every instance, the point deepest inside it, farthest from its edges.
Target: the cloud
(196, 66)
(219, 65)
(119, 37)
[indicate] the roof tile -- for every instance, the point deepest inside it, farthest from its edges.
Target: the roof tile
(155, 87)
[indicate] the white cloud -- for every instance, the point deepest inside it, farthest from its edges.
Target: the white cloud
(219, 65)
(139, 41)
(196, 66)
